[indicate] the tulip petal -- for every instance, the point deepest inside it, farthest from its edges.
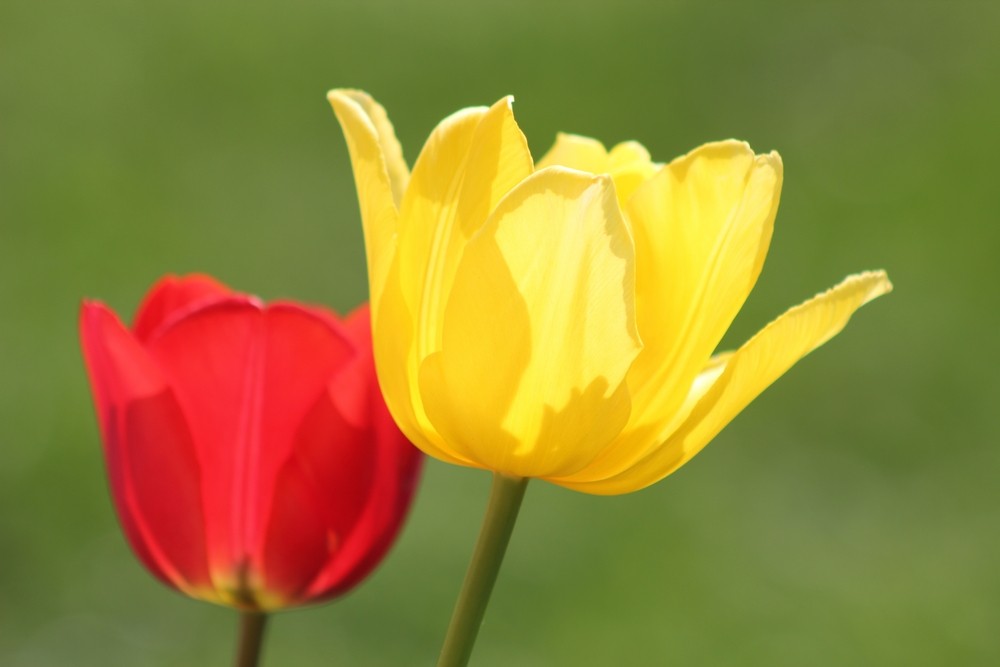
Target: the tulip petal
(380, 176)
(748, 372)
(152, 465)
(395, 465)
(554, 263)
(393, 341)
(469, 163)
(246, 377)
(320, 492)
(173, 297)
(628, 163)
(576, 152)
(395, 308)
(702, 227)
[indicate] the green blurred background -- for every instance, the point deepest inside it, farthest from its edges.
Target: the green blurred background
(850, 517)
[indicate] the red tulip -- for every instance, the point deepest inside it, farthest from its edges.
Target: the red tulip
(252, 460)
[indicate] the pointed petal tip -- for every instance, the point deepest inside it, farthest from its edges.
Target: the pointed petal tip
(506, 103)
(94, 313)
(345, 94)
(354, 99)
(877, 281)
(88, 305)
(91, 312)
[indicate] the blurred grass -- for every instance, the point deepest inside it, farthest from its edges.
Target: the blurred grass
(849, 517)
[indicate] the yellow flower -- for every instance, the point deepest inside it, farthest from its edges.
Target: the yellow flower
(559, 320)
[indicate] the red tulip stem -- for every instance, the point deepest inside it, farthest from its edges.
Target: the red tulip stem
(498, 524)
(252, 625)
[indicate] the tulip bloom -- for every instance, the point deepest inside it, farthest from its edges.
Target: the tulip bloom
(559, 320)
(251, 459)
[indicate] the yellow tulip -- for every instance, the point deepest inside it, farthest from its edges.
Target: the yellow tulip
(560, 320)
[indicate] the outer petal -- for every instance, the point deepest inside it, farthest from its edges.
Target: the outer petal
(702, 227)
(246, 378)
(152, 466)
(750, 370)
(394, 318)
(393, 339)
(539, 330)
(380, 175)
(173, 297)
(470, 161)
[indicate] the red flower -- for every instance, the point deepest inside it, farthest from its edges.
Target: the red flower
(251, 458)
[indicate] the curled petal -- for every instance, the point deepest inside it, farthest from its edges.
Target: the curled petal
(702, 226)
(380, 175)
(748, 372)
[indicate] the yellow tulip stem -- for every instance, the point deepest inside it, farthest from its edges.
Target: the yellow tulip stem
(252, 626)
(498, 524)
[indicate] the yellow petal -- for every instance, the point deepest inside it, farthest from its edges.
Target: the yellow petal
(630, 154)
(380, 175)
(469, 163)
(702, 227)
(748, 372)
(395, 360)
(630, 165)
(538, 331)
(576, 152)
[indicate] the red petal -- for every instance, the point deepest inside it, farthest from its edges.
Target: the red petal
(319, 497)
(172, 297)
(396, 465)
(295, 545)
(162, 467)
(245, 378)
(151, 462)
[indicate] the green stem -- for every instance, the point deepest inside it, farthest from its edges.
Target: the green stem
(498, 524)
(252, 625)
